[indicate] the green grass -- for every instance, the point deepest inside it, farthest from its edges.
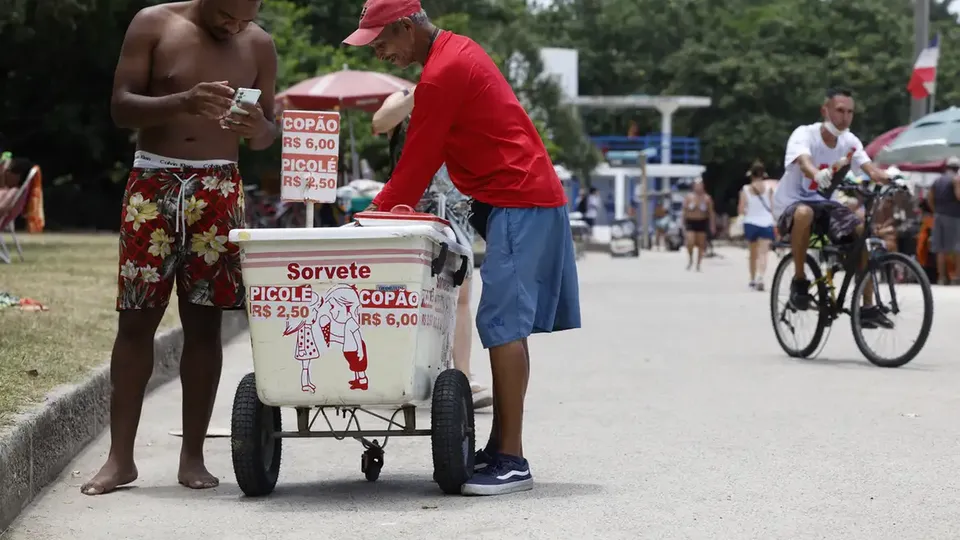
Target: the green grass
(75, 276)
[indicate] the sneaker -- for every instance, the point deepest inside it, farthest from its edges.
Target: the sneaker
(800, 294)
(508, 474)
(482, 397)
(872, 317)
(752, 285)
(482, 459)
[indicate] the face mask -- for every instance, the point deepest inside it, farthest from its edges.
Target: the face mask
(833, 129)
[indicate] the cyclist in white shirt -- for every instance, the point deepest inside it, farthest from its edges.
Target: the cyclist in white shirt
(814, 153)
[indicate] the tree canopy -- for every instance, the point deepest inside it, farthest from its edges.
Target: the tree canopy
(764, 63)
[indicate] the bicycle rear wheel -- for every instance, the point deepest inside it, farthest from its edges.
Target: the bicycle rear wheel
(787, 320)
(898, 280)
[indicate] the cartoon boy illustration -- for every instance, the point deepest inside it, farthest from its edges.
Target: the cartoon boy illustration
(307, 349)
(338, 323)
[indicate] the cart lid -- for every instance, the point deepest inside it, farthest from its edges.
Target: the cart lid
(400, 214)
(346, 232)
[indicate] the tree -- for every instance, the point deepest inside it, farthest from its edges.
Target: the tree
(764, 63)
(500, 27)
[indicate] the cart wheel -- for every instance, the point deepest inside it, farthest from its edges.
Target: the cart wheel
(256, 452)
(452, 431)
(372, 462)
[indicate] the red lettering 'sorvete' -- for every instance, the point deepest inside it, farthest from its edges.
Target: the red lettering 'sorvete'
(352, 271)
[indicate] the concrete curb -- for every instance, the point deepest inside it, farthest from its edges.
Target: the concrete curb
(42, 441)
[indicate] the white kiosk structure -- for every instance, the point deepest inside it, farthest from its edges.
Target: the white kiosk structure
(620, 177)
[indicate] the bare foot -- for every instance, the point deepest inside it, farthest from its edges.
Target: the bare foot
(194, 475)
(110, 477)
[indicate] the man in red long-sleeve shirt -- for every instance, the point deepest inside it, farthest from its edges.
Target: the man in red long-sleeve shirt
(466, 115)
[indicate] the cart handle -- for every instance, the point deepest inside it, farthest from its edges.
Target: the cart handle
(461, 274)
(440, 260)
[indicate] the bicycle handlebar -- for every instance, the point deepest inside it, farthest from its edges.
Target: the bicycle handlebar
(839, 182)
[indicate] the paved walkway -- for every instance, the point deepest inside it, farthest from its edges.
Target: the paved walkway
(673, 414)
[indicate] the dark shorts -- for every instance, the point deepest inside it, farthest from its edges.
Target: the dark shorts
(529, 275)
(697, 225)
(832, 218)
(173, 229)
(752, 233)
(945, 237)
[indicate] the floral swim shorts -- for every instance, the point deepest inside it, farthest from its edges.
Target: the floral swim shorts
(174, 227)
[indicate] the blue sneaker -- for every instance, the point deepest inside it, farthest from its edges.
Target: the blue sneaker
(482, 459)
(506, 474)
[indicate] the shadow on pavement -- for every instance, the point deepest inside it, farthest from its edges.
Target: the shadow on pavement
(391, 493)
(845, 363)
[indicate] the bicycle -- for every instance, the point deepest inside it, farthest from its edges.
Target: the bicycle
(848, 258)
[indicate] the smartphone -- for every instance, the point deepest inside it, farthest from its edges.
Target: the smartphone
(246, 96)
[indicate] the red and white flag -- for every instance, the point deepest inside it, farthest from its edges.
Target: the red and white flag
(923, 80)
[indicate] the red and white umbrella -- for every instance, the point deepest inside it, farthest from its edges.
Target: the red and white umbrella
(346, 89)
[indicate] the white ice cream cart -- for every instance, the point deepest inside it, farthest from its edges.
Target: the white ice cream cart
(349, 323)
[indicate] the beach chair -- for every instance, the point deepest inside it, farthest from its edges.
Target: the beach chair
(12, 211)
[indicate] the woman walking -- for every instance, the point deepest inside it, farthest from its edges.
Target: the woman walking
(756, 202)
(391, 118)
(698, 219)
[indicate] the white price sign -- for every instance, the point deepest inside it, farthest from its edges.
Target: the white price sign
(311, 150)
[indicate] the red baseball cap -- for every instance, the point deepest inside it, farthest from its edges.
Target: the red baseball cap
(376, 15)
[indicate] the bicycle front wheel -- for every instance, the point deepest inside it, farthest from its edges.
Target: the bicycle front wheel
(799, 332)
(902, 294)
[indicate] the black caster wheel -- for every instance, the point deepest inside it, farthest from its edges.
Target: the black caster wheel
(372, 462)
(452, 431)
(254, 448)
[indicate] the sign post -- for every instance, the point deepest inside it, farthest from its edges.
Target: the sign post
(310, 155)
(645, 155)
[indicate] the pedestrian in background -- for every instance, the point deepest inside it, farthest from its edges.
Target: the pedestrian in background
(755, 209)
(699, 219)
(392, 118)
(944, 199)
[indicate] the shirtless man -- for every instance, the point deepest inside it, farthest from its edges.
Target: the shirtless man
(178, 69)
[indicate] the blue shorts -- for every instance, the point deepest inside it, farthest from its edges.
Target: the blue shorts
(529, 275)
(752, 233)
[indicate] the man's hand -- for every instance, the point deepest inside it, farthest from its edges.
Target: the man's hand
(248, 124)
(881, 176)
(824, 176)
(210, 100)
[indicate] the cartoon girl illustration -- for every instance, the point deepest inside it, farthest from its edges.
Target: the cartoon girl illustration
(338, 323)
(307, 349)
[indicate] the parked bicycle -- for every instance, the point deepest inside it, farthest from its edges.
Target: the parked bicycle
(884, 270)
